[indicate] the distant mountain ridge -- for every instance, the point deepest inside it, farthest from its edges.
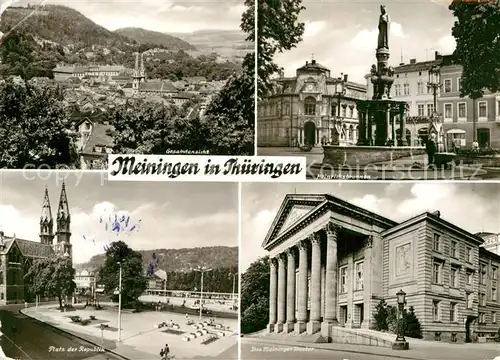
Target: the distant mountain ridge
(179, 259)
(142, 36)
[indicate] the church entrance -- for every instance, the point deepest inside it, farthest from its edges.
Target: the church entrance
(309, 133)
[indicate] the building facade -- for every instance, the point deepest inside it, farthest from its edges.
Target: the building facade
(85, 282)
(17, 255)
(311, 108)
(333, 262)
(464, 116)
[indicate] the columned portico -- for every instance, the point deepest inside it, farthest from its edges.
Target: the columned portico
(273, 293)
(315, 316)
(281, 292)
(331, 284)
(290, 295)
(300, 325)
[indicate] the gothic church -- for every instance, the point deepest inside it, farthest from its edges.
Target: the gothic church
(17, 255)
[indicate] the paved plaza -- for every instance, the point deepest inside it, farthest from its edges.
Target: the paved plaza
(214, 305)
(140, 338)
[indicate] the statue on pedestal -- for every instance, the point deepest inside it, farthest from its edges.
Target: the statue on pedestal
(383, 28)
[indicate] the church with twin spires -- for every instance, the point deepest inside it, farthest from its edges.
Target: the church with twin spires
(17, 255)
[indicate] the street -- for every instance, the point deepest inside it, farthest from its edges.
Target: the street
(275, 352)
(27, 339)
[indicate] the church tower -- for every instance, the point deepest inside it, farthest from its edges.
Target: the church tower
(139, 75)
(46, 221)
(63, 245)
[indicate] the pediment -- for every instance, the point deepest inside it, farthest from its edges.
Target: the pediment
(296, 213)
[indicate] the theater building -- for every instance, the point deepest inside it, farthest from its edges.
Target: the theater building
(312, 108)
(333, 262)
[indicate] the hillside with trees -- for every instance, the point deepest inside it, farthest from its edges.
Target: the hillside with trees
(142, 36)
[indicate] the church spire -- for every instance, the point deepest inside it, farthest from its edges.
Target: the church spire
(46, 221)
(63, 225)
(63, 208)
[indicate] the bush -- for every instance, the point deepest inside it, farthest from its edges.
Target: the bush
(386, 318)
(255, 317)
(85, 322)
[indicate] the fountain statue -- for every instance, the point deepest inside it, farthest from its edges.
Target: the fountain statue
(383, 28)
(435, 130)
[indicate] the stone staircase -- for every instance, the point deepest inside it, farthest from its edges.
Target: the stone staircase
(302, 338)
(342, 335)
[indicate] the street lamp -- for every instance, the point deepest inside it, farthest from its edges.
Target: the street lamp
(401, 343)
(120, 303)
(234, 283)
(202, 270)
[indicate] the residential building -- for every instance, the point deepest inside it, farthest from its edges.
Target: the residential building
(94, 144)
(312, 108)
(64, 72)
(332, 262)
(85, 282)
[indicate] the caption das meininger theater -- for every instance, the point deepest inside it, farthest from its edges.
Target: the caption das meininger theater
(205, 168)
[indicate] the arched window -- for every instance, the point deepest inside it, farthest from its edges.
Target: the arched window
(310, 106)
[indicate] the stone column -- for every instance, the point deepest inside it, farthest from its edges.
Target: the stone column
(332, 231)
(300, 325)
(281, 292)
(402, 126)
(290, 295)
(361, 126)
(369, 126)
(367, 283)
(315, 316)
(350, 291)
(273, 292)
(387, 124)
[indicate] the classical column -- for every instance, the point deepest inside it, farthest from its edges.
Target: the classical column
(273, 292)
(290, 295)
(369, 130)
(281, 292)
(367, 283)
(300, 325)
(361, 126)
(387, 124)
(332, 231)
(315, 316)
(402, 125)
(350, 291)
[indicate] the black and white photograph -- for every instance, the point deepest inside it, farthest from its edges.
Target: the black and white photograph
(82, 79)
(390, 271)
(102, 270)
(391, 90)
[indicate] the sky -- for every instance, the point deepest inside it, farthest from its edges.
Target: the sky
(474, 207)
(169, 215)
(170, 16)
(342, 34)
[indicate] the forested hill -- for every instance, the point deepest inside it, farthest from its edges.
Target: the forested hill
(67, 27)
(179, 260)
(142, 36)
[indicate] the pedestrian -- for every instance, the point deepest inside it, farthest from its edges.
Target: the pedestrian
(431, 148)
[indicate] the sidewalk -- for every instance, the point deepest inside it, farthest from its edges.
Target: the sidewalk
(419, 349)
(140, 339)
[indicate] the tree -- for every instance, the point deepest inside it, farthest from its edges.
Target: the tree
(34, 126)
(254, 300)
(134, 283)
(381, 314)
(51, 277)
(412, 324)
(477, 34)
(278, 30)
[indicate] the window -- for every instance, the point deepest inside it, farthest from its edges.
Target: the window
(470, 300)
(334, 110)
(420, 88)
(494, 317)
(407, 89)
(469, 278)
(468, 254)
(462, 110)
(436, 242)
(482, 299)
(494, 294)
(436, 272)
(453, 249)
(447, 85)
(482, 106)
(309, 106)
(430, 109)
(453, 312)
(435, 310)
(482, 318)
(397, 90)
(343, 280)
(359, 275)
(448, 111)
(498, 107)
(351, 112)
(454, 277)
(344, 111)
(482, 274)
(421, 110)
(494, 273)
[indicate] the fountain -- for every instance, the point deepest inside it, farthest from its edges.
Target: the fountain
(380, 113)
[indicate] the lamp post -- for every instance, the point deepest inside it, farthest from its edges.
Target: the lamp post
(202, 270)
(400, 343)
(434, 84)
(120, 303)
(234, 283)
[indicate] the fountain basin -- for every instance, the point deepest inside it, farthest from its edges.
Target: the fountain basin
(444, 158)
(364, 155)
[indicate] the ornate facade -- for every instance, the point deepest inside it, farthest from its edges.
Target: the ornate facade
(311, 108)
(333, 262)
(17, 255)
